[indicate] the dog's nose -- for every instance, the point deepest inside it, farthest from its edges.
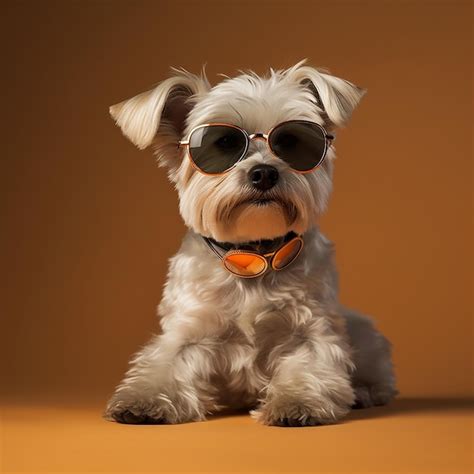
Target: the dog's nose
(263, 177)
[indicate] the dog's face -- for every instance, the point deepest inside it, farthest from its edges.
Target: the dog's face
(235, 206)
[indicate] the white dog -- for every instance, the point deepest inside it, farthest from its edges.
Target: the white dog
(252, 161)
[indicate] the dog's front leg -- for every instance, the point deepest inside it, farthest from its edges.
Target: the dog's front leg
(168, 382)
(305, 356)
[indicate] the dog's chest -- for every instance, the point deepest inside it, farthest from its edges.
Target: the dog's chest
(255, 301)
(248, 313)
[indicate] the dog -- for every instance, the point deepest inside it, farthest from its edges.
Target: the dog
(250, 317)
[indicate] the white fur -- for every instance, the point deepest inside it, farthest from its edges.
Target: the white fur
(281, 344)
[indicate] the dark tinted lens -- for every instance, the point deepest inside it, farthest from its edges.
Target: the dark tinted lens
(301, 144)
(216, 148)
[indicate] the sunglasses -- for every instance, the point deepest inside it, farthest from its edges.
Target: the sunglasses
(248, 264)
(215, 148)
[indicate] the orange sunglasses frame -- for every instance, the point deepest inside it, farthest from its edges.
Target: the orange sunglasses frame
(268, 257)
(256, 136)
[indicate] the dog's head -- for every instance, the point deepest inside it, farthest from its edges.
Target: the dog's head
(234, 206)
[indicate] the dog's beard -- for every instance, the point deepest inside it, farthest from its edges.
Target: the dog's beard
(250, 216)
(258, 218)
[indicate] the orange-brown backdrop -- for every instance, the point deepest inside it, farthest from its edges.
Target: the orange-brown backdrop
(89, 221)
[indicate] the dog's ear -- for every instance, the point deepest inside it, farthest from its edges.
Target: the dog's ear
(337, 98)
(161, 110)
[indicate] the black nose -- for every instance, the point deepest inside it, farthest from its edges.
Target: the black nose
(263, 177)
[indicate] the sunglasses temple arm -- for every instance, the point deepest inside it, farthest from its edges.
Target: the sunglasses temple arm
(209, 244)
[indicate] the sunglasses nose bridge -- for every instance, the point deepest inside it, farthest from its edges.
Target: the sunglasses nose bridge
(258, 136)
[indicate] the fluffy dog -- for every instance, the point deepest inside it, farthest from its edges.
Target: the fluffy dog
(279, 344)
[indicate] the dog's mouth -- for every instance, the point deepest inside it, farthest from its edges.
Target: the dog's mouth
(261, 202)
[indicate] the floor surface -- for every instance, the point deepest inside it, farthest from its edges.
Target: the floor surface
(409, 436)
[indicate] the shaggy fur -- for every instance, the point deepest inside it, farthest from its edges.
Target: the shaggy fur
(280, 345)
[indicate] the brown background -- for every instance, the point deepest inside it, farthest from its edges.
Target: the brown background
(89, 222)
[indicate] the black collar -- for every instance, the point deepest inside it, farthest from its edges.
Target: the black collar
(261, 247)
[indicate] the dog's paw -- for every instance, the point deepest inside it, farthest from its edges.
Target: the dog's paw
(367, 397)
(297, 422)
(130, 418)
(159, 410)
(138, 412)
(293, 414)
